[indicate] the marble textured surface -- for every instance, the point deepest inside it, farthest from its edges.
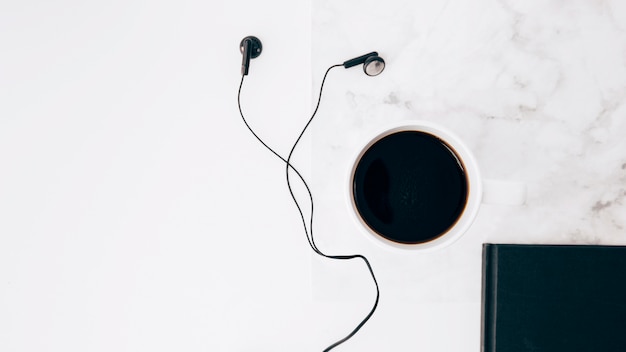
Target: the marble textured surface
(537, 89)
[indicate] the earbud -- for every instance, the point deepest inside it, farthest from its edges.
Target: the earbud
(373, 64)
(251, 48)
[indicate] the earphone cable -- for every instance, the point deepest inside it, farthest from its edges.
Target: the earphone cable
(309, 232)
(340, 257)
(288, 164)
(312, 244)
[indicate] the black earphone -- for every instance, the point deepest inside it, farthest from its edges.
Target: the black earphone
(251, 47)
(373, 65)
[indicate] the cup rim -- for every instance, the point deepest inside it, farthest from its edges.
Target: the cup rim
(470, 165)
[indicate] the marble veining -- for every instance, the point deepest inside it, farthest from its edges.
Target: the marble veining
(537, 89)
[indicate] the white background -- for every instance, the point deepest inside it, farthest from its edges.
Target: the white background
(136, 212)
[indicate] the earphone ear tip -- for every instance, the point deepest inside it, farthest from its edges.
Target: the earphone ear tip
(373, 65)
(255, 44)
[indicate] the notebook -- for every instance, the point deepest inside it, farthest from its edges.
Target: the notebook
(553, 298)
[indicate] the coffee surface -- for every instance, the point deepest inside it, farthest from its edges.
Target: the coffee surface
(410, 187)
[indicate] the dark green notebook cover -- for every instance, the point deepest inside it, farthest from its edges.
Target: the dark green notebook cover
(553, 298)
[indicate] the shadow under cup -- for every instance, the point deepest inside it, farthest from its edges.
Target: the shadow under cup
(409, 187)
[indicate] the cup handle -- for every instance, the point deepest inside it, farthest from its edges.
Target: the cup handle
(504, 192)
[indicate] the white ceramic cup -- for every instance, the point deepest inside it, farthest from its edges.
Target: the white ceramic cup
(501, 192)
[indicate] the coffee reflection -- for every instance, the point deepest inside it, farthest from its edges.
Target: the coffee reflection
(376, 182)
(410, 187)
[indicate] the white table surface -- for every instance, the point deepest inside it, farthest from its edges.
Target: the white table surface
(137, 213)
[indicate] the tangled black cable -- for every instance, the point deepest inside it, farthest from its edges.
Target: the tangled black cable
(309, 233)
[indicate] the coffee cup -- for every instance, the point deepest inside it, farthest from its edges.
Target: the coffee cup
(417, 186)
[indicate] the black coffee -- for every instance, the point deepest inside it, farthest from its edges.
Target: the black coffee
(410, 187)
